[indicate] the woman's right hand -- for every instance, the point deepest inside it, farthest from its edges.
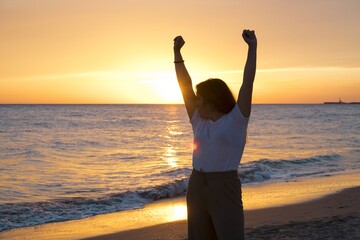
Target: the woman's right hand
(249, 37)
(178, 43)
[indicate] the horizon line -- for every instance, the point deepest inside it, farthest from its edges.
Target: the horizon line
(315, 103)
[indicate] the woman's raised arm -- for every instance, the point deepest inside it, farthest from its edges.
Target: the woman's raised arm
(183, 77)
(245, 93)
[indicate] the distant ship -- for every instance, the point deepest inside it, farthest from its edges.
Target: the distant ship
(341, 102)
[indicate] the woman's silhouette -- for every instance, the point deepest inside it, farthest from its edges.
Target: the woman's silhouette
(219, 123)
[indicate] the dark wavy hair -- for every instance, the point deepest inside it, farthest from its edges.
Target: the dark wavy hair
(217, 94)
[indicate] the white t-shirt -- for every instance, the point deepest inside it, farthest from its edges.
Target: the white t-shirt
(218, 146)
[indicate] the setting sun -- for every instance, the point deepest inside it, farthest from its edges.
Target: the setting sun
(167, 88)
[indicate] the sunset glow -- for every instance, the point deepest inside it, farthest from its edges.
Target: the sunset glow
(121, 51)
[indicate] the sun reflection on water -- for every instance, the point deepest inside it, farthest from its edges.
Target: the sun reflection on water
(169, 152)
(170, 157)
(172, 162)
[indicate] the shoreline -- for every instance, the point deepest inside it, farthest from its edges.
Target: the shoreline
(168, 216)
(333, 216)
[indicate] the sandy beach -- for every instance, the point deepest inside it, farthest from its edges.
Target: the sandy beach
(336, 216)
(323, 208)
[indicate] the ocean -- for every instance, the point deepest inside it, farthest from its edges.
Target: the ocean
(63, 162)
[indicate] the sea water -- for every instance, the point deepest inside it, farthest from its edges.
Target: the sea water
(62, 162)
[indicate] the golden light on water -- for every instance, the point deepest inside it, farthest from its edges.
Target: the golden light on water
(172, 162)
(170, 158)
(170, 153)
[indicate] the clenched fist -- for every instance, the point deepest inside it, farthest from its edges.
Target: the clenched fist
(178, 43)
(249, 37)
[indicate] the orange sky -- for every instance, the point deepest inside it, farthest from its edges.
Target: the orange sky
(111, 51)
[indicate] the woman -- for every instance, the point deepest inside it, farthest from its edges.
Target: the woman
(219, 123)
